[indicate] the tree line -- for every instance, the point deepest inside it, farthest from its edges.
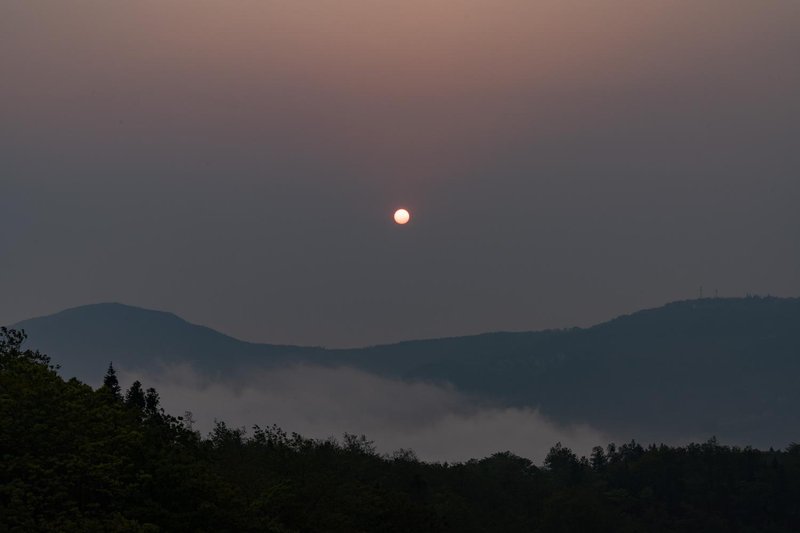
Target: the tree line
(74, 458)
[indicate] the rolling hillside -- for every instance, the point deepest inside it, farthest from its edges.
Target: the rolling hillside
(725, 367)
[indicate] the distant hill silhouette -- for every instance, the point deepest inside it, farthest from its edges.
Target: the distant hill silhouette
(726, 367)
(84, 339)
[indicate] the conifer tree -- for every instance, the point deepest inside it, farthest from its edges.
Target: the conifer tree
(151, 401)
(111, 383)
(135, 396)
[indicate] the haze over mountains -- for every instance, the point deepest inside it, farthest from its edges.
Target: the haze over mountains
(691, 369)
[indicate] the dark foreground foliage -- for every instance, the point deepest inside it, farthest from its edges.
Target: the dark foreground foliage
(77, 459)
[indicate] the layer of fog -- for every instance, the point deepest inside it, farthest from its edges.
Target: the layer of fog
(437, 422)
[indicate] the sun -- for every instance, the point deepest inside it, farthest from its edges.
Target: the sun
(402, 216)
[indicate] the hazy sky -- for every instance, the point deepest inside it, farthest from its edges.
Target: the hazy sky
(238, 161)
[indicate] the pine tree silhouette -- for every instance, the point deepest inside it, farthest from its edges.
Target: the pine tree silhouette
(111, 382)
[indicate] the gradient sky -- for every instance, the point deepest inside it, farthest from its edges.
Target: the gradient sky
(238, 162)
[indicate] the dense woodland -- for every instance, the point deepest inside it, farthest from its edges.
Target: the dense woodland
(77, 459)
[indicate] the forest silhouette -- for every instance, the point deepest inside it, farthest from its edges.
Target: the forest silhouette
(76, 458)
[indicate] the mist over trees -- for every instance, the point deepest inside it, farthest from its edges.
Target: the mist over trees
(76, 458)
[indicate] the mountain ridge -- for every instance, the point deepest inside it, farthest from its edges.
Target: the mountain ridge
(724, 366)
